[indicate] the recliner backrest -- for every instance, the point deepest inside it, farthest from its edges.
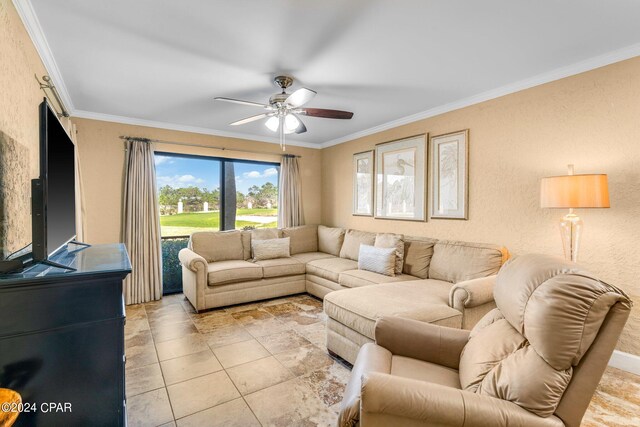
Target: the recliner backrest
(549, 313)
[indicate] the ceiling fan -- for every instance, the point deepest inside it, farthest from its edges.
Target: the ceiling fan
(283, 110)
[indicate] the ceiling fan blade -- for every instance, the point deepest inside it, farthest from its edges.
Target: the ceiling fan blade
(249, 119)
(301, 127)
(239, 101)
(300, 97)
(327, 114)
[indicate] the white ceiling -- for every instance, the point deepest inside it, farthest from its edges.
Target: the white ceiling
(162, 62)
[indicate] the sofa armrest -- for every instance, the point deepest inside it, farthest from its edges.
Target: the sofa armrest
(371, 358)
(421, 340)
(192, 260)
(393, 400)
(194, 277)
(472, 293)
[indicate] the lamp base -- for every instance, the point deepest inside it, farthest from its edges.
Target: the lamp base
(571, 231)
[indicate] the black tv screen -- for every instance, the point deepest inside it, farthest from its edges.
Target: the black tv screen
(57, 172)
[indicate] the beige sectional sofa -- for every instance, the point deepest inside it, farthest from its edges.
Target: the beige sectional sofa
(442, 282)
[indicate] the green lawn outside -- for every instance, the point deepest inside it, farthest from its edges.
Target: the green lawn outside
(186, 223)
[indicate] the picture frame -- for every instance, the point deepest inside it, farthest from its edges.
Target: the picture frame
(363, 169)
(450, 175)
(400, 185)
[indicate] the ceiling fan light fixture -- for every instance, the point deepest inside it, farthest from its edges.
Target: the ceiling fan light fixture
(291, 123)
(273, 123)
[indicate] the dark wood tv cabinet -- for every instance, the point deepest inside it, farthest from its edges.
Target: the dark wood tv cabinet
(62, 338)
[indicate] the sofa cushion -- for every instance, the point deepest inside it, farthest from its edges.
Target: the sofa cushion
(417, 256)
(303, 238)
(352, 241)
(246, 244)
(420, 370)
(424, 300)
(357, 278)
(377, 260)
(330, 239)
(280, 267)
(217, 245)
(330, 268)
(223, 272)
(390, 240)
(270, 249)
(265, 233)
(457, 261)
(311, 256)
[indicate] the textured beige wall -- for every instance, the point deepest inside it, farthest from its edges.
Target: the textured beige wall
(102, 157)
(591, 120)
(20, 97)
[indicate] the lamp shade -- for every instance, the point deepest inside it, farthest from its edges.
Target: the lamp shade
(575, 191)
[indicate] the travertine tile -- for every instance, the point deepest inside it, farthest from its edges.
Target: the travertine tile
(281, 308)
(304, 359)
(188, 344)
(267, 326)
(143, 379)
(169, 316)
(316, 333)
(170, 331)
(214, 321)
(239, 353)
(189, 397)
(242, 307)
(329, 382)
(228, 335)
(135, 312)
(616, 402)
(138, 338)
(140, 355)
(133, 326)
(149, 409)
(251, 316)
(259, 374)
(190, 366)
(285, 404)
(282, 341)
(235, 413)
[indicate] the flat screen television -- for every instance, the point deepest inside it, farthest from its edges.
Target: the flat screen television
(53, 194)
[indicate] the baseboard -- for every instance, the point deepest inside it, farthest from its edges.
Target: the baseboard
(625, 361)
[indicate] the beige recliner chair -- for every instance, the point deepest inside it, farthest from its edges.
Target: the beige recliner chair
(535, 360)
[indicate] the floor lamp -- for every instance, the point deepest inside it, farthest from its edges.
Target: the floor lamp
(573, 192)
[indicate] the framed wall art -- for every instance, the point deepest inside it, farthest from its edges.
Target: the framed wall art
(363, 183)
(450, 175)
(400, 179)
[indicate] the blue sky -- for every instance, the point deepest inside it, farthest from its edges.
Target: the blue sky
(202, 173)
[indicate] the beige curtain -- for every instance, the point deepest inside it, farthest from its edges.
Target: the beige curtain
(290, 212)
(141, 224)
(80, 203)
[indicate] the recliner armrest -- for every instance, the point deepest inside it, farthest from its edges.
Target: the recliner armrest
(421, 340)
(393, 400)
(192, 260)
(472, 293)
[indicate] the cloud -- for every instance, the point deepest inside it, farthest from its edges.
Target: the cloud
(162, 159)
(179, 181)
(255, 174)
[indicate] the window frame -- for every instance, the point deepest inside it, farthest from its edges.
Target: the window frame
(223, 161)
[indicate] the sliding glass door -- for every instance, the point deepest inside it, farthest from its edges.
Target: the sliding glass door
(199, 193)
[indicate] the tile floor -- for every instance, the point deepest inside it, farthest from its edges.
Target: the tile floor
(265, 364)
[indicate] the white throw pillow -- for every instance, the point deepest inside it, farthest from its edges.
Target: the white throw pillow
(390, 240)
(378, 260)
(270, 249)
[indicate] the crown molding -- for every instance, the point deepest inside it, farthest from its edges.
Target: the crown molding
(184, 128)
(557, 74)
(32, 24)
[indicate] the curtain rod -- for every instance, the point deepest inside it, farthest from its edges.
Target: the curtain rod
(186, 144)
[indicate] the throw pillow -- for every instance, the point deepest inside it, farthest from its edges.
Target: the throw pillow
(390, 240)
(270, 249)
(330, 239)
(377, 260)
(352, 241)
